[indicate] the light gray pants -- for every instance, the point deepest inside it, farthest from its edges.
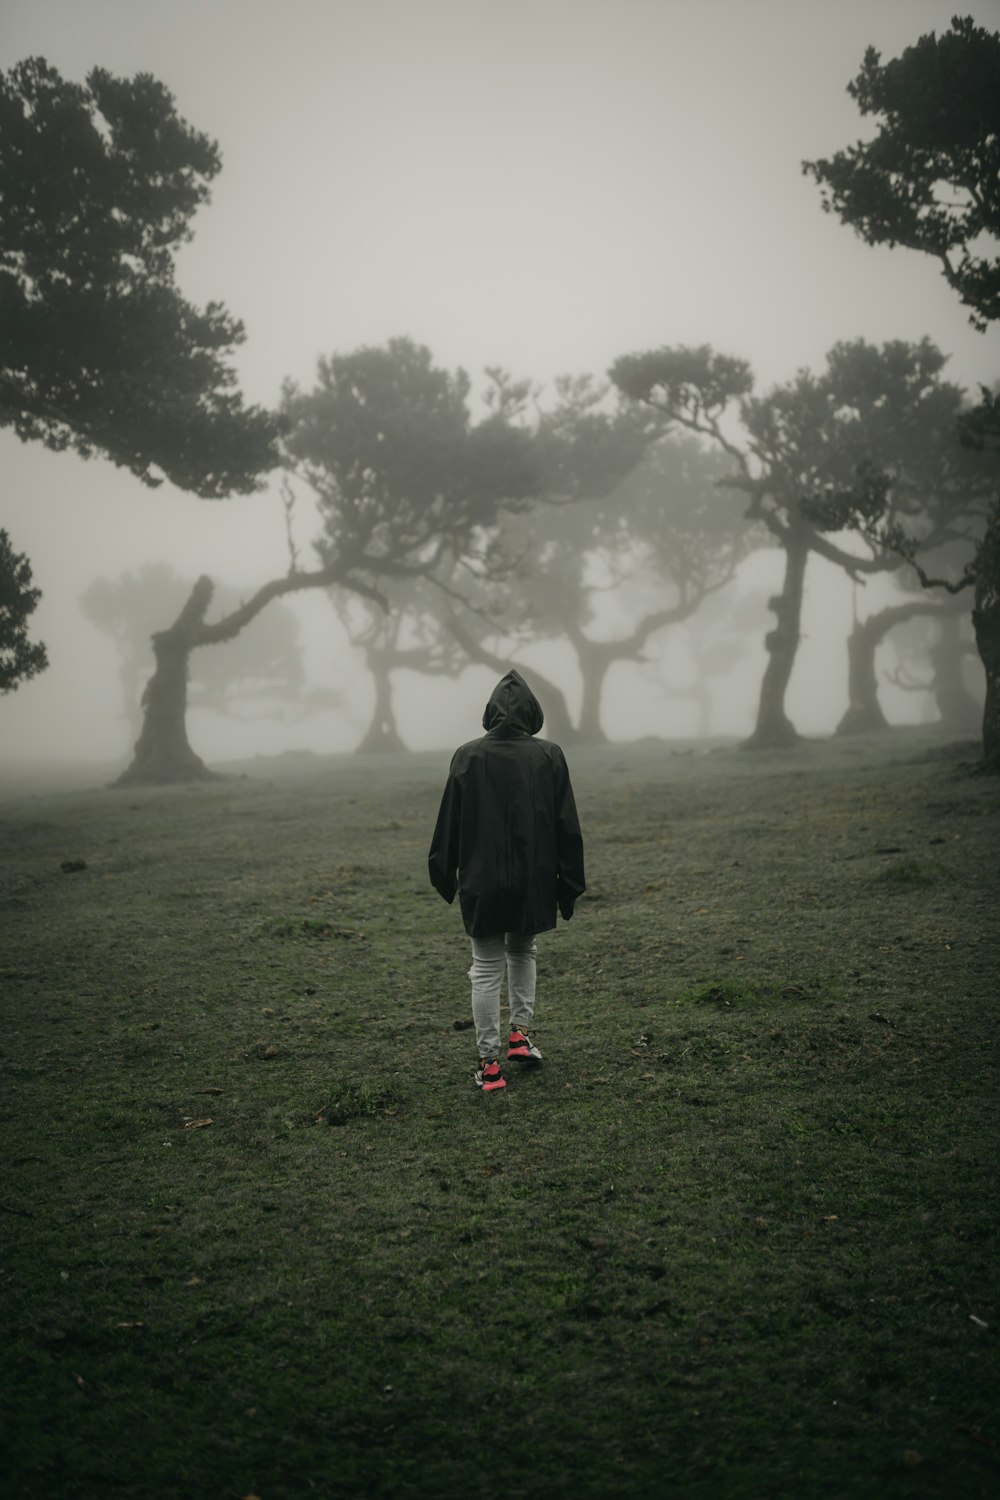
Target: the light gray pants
(490, 955)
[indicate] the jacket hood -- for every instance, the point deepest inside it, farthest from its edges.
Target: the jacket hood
(513, 707)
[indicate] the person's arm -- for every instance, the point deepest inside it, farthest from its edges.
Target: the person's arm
(570, 879)
(442, 861)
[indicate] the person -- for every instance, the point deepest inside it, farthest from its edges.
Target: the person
(508, 841)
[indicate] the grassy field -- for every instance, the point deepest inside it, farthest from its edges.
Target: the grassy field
(737, 1238)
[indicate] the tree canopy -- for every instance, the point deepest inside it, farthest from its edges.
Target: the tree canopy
(609, 572)
(20, 658)
(884, 411)
(402, 477)
(930, 177)
(930, 180)
(400, 471)
(99, 351)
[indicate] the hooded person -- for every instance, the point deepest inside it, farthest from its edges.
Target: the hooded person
(508, 843)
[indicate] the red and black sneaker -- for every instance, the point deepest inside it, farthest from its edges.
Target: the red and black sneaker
(521, 1048)
(489, 1076)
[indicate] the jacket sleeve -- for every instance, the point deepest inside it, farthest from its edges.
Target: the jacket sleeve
(570, 879)
(442, 861)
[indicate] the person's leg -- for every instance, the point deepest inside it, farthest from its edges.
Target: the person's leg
(520, 954)
(486, 974)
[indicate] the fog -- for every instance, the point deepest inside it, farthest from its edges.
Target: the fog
(543, 185)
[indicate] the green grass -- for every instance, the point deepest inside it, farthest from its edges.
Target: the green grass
(730, 992)
(737, 1238)
(306, 927)
(910, 872)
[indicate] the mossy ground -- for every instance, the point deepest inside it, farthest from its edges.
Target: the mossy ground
(737, 1238)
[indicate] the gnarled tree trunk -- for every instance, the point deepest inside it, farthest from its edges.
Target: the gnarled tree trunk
(162, 754)
(986, 622)
(382, 733)
(594, 663)
(864, 711)
(774, 729)
(596, 658)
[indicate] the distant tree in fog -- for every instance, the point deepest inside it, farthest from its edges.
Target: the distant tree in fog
(401, 475)
(470, 615)
(716, 640)
(935, 654)
(798, 450)
(608, 573)
(439, 625)
(259, 674)
(400, 472)
(408, 487)
(946, 642)
(930, 180)
(20, 658)
(584, 447)
(930, 177)
(976, 566)
(686, 548)
(899, 421)
(617, 508)
(100, 353)
(402, 634)
(469, 609)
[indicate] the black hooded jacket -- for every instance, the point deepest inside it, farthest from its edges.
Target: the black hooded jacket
(508, 837)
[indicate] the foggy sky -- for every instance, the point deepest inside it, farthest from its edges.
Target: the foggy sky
(542, 184)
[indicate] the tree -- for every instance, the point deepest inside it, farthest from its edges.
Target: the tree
(644, 510)
(931, 180)
(459, 619)
(803, 445)
(470, 621)
(259, 674)
(387, 445)
(437, 623)
(408, 635)
(981, 571)
(986, 619)
(401, 474)
(497, 576)
(934, 651)
(526, 583)
(607, 574)
(20, 659)
(864, 711)
(99, 352)
(716, 639)
(555, 572)
(898, 418)
(781, 458)
(930, 177)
